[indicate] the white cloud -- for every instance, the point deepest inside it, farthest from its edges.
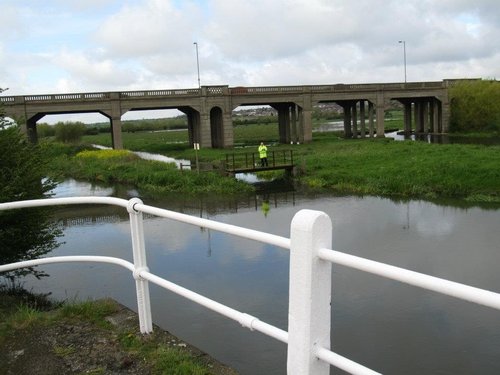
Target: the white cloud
(150, 28)
(90, 71)
(148, 44)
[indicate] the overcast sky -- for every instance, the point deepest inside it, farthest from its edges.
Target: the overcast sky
(58, 46)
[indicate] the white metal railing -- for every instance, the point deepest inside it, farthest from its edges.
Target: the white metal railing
(311, 257)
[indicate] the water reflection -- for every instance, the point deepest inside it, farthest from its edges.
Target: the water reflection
(390, 327)
(72, 188)
(443, 138)
(429, 138)
(330, 126)
(180, 163)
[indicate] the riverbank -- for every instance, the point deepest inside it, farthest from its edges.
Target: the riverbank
(380, 167)
(98, 337)
(84, 162)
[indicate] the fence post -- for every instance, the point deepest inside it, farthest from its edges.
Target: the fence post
(310, 293)
(139, 251)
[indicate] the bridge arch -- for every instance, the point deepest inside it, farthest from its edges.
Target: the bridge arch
(217, 127)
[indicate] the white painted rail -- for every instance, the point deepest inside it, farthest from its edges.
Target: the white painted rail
(311, 257)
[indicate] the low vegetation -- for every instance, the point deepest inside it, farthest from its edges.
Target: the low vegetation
(405, 169)
(24, 234)
(475, 106)
(124, 167)
(80, 338)
(402, 169)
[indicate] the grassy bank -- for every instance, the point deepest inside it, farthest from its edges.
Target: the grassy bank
(369, 166)
(93, 337)
(403, 169)
(124, 167)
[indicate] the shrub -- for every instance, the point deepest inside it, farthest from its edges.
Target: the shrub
(45, 130)
(28, 233)
(69, 132)
(475, 106)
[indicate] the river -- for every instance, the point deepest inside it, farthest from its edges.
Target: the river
(387, 326)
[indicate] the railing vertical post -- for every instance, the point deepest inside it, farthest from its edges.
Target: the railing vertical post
(310, 293)
(139, 251)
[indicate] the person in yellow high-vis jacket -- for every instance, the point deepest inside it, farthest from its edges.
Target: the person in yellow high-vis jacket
(263, 154)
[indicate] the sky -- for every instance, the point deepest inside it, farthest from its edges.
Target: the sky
(63, 46)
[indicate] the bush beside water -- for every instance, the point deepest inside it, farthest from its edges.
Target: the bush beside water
(150, 177)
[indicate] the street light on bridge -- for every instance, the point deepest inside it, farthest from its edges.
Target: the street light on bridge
(404, 55)
(197, 64)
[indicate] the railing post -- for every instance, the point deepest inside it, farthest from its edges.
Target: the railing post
(139, 251)
(310, 293)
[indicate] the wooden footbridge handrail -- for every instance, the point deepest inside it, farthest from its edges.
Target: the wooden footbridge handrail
(250, 162)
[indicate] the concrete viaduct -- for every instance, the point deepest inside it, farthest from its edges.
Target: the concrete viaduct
(209, 108)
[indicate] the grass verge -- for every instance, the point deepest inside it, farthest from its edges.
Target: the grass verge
(383, 167)
(98, 337)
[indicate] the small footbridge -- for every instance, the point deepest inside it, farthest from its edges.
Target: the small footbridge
(250, 162)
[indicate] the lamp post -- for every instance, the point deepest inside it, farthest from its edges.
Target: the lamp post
(404, 55)
(197, 64)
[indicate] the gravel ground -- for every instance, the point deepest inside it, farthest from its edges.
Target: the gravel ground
(81, 347)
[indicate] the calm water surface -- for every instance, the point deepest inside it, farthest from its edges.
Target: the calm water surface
(387, 326)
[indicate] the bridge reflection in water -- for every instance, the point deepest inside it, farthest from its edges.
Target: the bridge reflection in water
(272, 194)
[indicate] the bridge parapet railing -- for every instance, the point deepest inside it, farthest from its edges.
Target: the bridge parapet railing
(225, 90)
(149, 93)
(310, 279)
(7, 99)
(67, 97)
(266, 90)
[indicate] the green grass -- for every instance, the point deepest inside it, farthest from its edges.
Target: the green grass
(403, 169)
(19, 317)
(150, 177)
(369, 166)
(176, 362)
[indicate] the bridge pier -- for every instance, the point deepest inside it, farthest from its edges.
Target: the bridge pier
(350, 108)
(354, 109)
(194, 124)
(283, 121)
(294, 123)
(370, 119)
(305, 124)
(407, 117)
(426, 113)
(436, 116)
(362, 118)
(116, 132)
(228, 130)
(347, 119)
(30, 127)
(381, 105)
(205, 134)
